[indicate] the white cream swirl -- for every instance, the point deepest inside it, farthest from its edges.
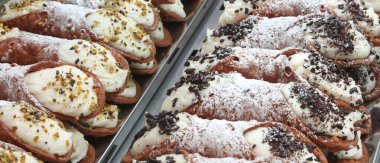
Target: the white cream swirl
(108, 118)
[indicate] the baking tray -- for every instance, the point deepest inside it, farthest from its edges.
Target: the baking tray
(211, 21)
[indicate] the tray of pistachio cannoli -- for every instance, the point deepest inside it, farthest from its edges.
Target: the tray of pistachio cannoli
(73, 73)
(269, 81)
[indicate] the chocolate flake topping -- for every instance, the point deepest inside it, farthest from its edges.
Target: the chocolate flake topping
(198, 82)
(334, 28)
(361, 77)
(166, 121)
(354, 8)
(283, 144)
(236, 32)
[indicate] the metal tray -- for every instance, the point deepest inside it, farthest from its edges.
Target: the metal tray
(153, 107)
(166, 57)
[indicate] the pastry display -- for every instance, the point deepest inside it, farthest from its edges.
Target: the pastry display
(76, 22)
(280, 66)
(12, 153)
(167, 132)
(86, 63)
(333, 37)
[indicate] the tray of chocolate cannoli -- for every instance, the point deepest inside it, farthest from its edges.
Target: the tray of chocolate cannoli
(72, 73)
(269, 81)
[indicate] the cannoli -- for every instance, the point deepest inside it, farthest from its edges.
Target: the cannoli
(83, 152)
(65, 91)
(184, 156)
(233, 97)
(367, 78)
(25, 48)
(12, 153)
(161, 36)
(104, 124)
(141, 11)
(173, 12)
(76, 22)
(130, 95)
(333, 37)
(167, 132)
(375, 4)
(365, 18)
(35, 131)
(280, 66)
(144, 68)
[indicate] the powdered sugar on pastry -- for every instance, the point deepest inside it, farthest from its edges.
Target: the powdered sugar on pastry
(108, 118)
(64, 89)
(176, 7)
(122, 32)
(80, 145)
(333, 37)
(95, 59)
(36, 128)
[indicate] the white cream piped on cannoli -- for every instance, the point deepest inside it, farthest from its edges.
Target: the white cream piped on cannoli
(80, 145)
(350, 44)
(320, 114)
(180, 98)
(139, 10)
(17, 9)
(237, 10)
(318, 71)
(355, 153)
(355, 10)
(158, 33)
(95, 59)
(262, 140)
(108, 118)
(121, 32)
(155, 134)
(130, 91)
(43, 131)
(16, 156)
(364, 77)
(176, 7)
(64, 89)
(136, 65)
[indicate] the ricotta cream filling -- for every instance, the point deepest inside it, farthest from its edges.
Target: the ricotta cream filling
(137, 65)
(340, 90)
(80, 145)
(96, 59)
(153, 136)
(329, 122)
(130, 91)
(176, 7)
(121, 32)
(235, 11)
(6, 32)
(17, 156)
(17, 9)
(64, 89)
(375, 4)
(353, 153)
(158, 33)
(36, 128)
(263, 149)
(106, 119)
